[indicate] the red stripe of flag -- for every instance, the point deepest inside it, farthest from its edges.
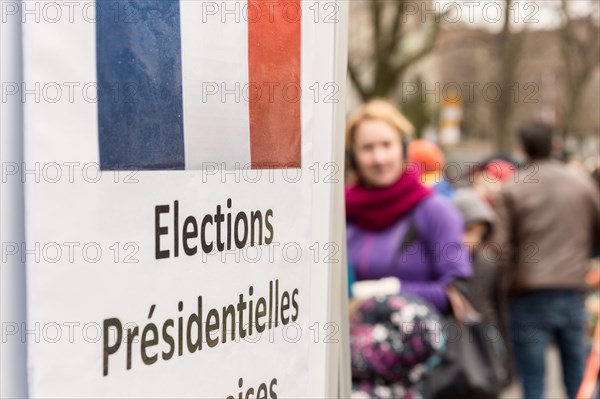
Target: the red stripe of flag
(274, 67)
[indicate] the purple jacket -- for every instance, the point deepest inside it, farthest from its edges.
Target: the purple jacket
(424, 267)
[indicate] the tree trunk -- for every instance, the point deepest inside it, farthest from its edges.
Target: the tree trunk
(510, 49)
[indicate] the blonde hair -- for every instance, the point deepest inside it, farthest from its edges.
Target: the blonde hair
(382, 110)
(378, 109)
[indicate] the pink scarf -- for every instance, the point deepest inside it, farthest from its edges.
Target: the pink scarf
(379, 208)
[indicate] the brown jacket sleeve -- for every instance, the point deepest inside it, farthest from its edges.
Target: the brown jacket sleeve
(596, 222)
(503, 239)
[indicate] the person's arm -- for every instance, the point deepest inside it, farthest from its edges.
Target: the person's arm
(502, 240)
(433, 292)
(596, 221)
(440, 229)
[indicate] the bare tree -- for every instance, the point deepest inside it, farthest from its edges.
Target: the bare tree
(509, 45)
(581, 52)
(389, 22)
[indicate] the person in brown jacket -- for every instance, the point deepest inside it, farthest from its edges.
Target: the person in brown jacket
(549, 220)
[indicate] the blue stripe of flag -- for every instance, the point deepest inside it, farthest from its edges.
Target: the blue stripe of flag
(140, 106)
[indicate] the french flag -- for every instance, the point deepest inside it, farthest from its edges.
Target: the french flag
(188, 88)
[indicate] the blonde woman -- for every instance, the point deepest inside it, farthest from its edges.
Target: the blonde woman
(405, 241)
(396, 226)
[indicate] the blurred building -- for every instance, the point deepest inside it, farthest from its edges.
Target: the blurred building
(467, 60)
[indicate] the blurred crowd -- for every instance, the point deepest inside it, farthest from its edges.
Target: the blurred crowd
(458, 286)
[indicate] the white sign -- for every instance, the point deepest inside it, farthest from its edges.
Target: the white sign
(170, 190)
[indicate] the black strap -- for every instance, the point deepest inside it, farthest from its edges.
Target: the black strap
(410, 237)
(461, 284)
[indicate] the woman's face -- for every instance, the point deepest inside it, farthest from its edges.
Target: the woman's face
(378, 152)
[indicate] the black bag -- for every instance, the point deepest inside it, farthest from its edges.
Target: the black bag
(471, 366)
